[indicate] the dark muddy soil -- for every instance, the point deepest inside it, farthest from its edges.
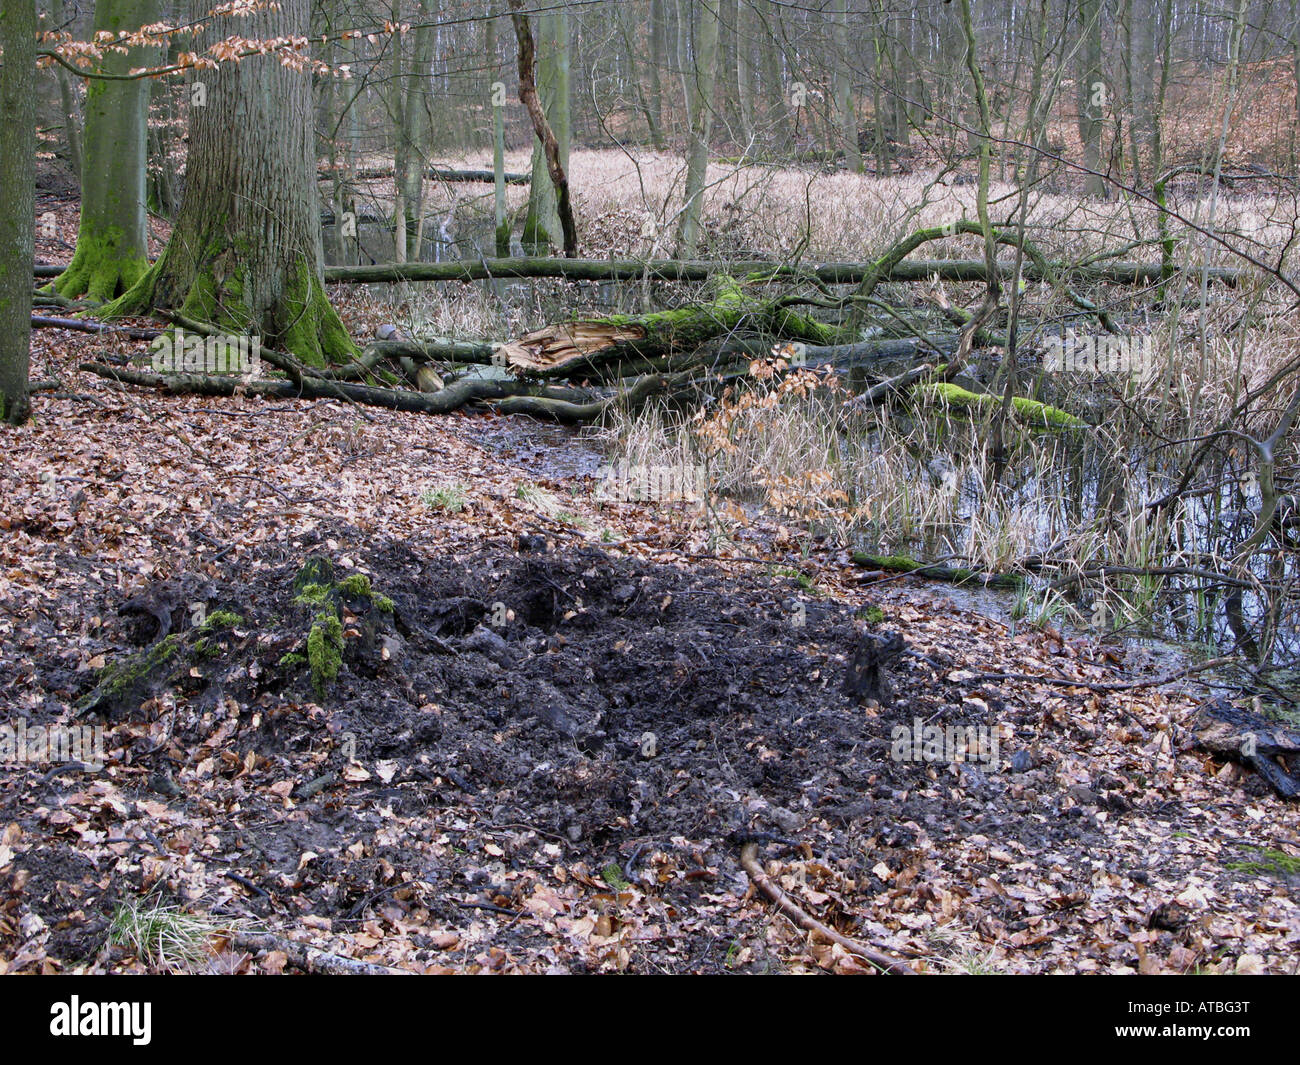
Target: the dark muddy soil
(526, 706)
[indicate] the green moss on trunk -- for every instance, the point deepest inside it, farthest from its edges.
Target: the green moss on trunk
(1028, 412)
(105, 265)
(302, 321)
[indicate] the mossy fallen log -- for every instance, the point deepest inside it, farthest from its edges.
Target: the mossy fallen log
(951, 574)
(1029, 412)
(589, 343)
(834, 273)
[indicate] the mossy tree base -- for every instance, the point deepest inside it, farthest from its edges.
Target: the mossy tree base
(104, 266)
(300, 320)
(317, 589)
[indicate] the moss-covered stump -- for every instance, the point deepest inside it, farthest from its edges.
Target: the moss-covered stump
(177, 660)
(1028, 412)
(127, 681)
(330, 603)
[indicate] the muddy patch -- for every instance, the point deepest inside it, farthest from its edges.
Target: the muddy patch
(517, 708)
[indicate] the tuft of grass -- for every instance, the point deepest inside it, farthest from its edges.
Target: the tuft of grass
(962, 959)
(448, 497)
(548, 504)
(161, 935)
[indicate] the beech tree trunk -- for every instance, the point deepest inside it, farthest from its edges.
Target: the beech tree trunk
(846, 117)
(68, 96)
(245, 253)
(18, 194)
(112, 239)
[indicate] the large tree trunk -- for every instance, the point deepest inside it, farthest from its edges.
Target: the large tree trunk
(1142, 71)
(245, 253)
(112, 239)
(701, 105)
(18, 194)
(658, 29)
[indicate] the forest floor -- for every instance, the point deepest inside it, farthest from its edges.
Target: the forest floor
(476, 789)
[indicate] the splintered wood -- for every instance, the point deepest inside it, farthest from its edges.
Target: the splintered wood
(559, 344)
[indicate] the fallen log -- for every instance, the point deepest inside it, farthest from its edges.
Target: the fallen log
(1271, 749)
(852, 355)
(453, 397)
(838, 273)
(1028, 412)
(590, 343)
(909, 270)
(953, 575)
(440, 173)
(442, 349)
(80, 326)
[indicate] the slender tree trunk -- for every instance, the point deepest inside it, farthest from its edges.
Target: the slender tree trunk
(112, 240)
(245, 252)
(1093, 95)
(701, 107)
(542, 223)
(745, 69)
(415, 127)
(657, 49)
(18, 194)
(68, 97)
(774, 80)
(1294, 38)
(401, 147)
(628, 35)
(497, 100)
(846, 116)
(554, 153)
(1142, 72)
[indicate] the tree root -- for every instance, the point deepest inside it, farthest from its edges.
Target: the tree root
(312, 959)
(749, 860)
(550, 402)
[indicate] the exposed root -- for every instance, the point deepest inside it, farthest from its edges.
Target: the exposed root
(749, 860)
